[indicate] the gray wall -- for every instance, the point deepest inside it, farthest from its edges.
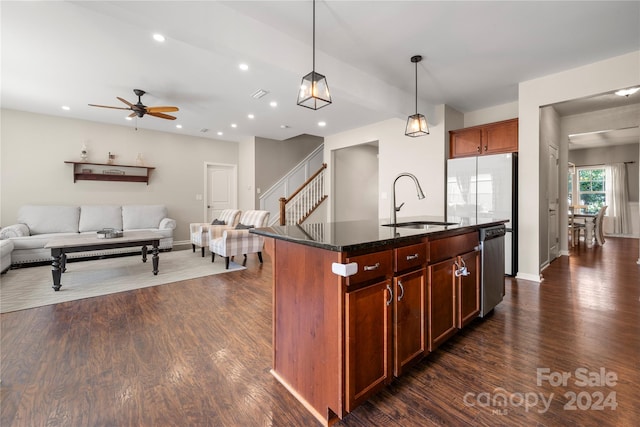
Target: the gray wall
(615, 154)
(273, 159)
(34, 148)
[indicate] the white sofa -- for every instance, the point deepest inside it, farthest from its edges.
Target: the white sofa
(37, 224)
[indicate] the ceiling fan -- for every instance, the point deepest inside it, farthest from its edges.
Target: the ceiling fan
(139, 109)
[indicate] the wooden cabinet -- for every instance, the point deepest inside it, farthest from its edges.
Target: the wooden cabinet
(368, 341)
(84, 171)
(442, 303)
(454, 298)
(410, 334)
(492, 138)
(468, 288)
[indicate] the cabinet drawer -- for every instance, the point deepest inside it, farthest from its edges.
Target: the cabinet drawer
(371, 266)
(450, 247)
(412, 256)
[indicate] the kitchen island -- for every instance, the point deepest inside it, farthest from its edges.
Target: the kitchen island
(357, 303)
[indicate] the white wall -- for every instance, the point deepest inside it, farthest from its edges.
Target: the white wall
(424, 157)
(34, 148)
(357, 167)
(492, 114)
(604, 76)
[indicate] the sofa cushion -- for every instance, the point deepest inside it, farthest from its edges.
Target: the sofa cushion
(50, 219)
(137, 217)
(96, 217)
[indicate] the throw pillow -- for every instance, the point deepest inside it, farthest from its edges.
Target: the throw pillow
(218, 222)
(243, 227)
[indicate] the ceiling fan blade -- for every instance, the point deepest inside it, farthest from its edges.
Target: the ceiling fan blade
(125, 101)
(161, 115)
(132, 114)
(161, 109)
(107, 106)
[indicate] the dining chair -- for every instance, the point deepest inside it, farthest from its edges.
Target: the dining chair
(575, 228)
(598, 230)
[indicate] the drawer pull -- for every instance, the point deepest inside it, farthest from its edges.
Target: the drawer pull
(372, 267)
(412, 257)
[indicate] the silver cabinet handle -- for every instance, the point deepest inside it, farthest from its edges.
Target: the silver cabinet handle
(372, 267)
(390, 295)
(401, 290)
(414, 256)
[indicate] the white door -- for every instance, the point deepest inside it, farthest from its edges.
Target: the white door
(221, 189)
(554, 219)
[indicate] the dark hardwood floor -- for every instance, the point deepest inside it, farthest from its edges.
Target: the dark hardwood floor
(198, 353)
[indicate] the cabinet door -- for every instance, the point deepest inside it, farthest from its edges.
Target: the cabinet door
(466, 142)
(468, 288)
(410, 319)
(442, 302)
(368, 339)
(501, 138)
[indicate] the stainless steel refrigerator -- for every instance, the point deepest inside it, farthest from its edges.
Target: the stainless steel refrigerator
(485, 187)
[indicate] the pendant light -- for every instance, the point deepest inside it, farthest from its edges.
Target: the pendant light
(416, 123)
(314, 91)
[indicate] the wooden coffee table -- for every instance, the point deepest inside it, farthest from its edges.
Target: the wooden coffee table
(61, 246)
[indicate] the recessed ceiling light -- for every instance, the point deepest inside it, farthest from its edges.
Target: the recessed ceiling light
(251, 116)
(233, 125)
(627, 92)
(273, 103)
(159, 38)
(284, 126)
(128, 118)
(322, 124)
(66, 108)
(220, 133)
(243, 67)
(179, 126)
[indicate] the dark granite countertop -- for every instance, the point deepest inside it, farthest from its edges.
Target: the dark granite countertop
(350, 236)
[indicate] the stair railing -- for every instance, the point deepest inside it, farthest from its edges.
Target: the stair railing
(299, 205)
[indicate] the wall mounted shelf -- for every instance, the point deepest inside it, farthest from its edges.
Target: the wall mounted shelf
(83, 171)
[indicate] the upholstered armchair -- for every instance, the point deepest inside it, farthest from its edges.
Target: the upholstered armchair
(239, 241)
(200, 230)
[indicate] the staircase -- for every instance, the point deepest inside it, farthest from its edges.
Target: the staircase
(297, 194)
(306, 199)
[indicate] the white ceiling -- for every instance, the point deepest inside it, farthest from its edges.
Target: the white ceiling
(475, 53)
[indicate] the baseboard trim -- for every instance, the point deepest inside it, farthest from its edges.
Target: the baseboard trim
(530, 277)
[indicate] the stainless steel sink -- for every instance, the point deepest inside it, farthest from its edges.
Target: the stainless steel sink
(420, 224)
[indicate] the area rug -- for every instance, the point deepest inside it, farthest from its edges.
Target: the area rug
(30, 287)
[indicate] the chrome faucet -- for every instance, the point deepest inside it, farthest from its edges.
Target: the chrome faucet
(420, 193)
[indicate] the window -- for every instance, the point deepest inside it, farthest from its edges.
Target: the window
(591, 188)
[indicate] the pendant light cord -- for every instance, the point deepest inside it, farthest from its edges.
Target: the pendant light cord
(416, 86)
(313, 68)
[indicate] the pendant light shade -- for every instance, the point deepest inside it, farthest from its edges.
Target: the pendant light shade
(416, 123)
(314, 90)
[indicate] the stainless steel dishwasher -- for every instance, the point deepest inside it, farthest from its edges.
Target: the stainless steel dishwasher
(492, 259)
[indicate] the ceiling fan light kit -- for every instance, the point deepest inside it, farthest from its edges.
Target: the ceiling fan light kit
(314, 90)
(140, 110)
(416, 123)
